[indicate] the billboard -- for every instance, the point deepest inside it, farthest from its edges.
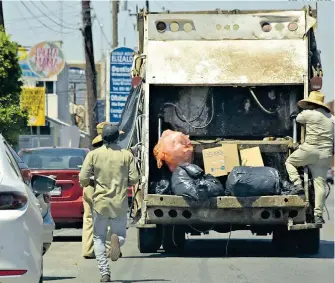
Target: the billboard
(27, 73)
(121, 60)
(46, 59)
(33, 100)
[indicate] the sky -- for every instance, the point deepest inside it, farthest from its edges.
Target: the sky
(30, 22)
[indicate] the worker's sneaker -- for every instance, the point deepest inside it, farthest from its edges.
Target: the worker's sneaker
(89, 256)
(105, 278)
(318, 219)
(115, 252)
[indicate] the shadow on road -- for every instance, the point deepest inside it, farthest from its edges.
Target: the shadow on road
(67, 239)
(55, 278)
(238, 248)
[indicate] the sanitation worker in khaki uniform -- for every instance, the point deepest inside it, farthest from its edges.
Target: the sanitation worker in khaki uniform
(113, 169)
(317, 150)
(87, 236)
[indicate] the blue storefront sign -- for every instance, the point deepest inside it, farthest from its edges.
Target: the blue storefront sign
(121, 60)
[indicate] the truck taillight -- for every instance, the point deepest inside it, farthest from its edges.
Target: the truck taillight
(26, 175)
(12, 200)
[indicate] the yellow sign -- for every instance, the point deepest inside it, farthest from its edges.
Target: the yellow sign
(33, 100)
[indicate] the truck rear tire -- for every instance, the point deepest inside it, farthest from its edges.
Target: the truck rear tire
(173, 238)
(149, 240)
(301, 241)
(308, 241)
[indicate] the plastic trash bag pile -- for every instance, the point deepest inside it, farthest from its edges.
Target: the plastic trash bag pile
(173, 148)
(245, 181)
(190, 181)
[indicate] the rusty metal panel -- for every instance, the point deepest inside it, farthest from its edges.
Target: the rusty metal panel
(239, 62)
(246, 216)
(227, 26)
(226, 202)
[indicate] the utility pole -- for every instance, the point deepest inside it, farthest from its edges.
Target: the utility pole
(115, 11)
(2, 21)
(147, 5)
(91, 82)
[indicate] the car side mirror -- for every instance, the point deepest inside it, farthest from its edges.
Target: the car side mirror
(42, 184)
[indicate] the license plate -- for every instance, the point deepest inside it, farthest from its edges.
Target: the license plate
(56, 191)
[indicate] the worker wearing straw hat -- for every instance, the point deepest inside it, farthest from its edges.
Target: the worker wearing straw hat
(112, 169)
(87, 236)
(317, 150)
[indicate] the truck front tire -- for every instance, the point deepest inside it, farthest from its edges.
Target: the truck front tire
(300, 241)
(149, 240)
(173, 238)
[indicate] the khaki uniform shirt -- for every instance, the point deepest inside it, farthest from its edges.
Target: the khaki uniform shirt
(114, 169)
(319, 129)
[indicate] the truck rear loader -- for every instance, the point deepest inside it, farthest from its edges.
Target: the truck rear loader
(224, 77)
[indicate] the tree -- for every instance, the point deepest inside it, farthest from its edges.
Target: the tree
(13, 120)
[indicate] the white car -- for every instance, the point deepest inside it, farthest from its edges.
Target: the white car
(44, 203)
(21, 222)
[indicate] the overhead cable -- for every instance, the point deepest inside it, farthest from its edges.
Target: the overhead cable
(39, 19)
(59, 24)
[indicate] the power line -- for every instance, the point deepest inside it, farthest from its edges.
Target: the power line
(41, 16)
(39, 19)
(70, 6)
(29, 26)
(53, 14)
(101, 28)
(52, 19)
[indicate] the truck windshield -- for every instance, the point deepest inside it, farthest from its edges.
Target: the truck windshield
(53, 158)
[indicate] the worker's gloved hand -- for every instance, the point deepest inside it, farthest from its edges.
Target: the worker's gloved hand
(294, 114)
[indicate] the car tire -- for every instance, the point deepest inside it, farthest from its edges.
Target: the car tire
(173, 238)
(149, 240)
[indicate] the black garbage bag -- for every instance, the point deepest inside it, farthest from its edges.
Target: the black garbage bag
(245, 181)
(190, 181)
(162, 187)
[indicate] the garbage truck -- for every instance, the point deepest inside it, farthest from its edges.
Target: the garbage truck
(222, 77)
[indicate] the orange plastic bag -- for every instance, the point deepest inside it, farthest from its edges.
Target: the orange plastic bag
(174, 148)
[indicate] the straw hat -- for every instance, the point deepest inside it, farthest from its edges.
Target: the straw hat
(314, 97)
(100, 126)
(98, 138)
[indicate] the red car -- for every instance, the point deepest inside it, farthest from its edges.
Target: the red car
(62, 164)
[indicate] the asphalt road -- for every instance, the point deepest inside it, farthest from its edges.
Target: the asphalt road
(250, 259)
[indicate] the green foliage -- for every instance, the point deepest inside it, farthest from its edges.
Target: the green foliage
(13, 121)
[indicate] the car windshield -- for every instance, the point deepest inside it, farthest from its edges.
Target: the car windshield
(54, 158)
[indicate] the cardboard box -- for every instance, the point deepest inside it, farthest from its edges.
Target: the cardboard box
(251, 157)
(219, 161)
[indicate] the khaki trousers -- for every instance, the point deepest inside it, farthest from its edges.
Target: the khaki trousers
(318, 162)
(87, 236)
